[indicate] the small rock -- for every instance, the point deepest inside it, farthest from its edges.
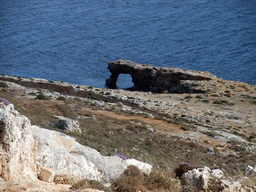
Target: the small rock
(68, 124)
(250, 170)
(149, 128)
(47, 174)
(210, 150)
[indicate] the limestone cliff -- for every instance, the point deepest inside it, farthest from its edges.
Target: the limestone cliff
(17, 146)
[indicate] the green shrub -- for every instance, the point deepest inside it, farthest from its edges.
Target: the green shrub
(175, 115)
(199, 97)
(207, 121)
(188, 97)
(233, 117)
(220, 102)
(32, 93)
(209, 113)
(41, 96)
(208, 90)
(214, 95)
(211, 133)
(205, 101)
(227, 95)
(3, 84)
(61, 98)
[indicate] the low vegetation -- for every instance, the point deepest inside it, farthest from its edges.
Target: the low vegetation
(3, 84)
(41, 96)
(133, 180)
(163, 139)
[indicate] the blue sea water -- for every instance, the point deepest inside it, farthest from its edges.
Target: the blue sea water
(72, 40)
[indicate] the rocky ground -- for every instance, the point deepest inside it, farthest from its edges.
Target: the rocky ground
(216, 128)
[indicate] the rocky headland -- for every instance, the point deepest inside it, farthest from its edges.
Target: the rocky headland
(55, 135)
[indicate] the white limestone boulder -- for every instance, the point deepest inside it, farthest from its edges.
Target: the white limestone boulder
(68, 124)
(198, 178)
(46, 174)
(55, 150)
(205, 179)
(17, 146)
(67, 157)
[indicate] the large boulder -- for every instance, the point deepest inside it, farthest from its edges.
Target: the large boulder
(17, 145)
(67, 157)
(58, 151)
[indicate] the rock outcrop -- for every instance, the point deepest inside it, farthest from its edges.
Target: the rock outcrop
(68, 124)
(205, 179)
(30, 152)
(17, 146)
(155, 79)
(67, 157)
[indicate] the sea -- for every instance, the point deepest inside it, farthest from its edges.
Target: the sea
(73, 40)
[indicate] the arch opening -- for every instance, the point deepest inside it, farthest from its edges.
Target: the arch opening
(124, 81)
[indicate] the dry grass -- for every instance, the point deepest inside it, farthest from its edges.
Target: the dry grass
(84, 184)
(162, 181)
(130, 181)
(159, 180)
(64, 179)
(248, 181)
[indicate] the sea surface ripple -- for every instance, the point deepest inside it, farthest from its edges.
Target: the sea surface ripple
(72, 40)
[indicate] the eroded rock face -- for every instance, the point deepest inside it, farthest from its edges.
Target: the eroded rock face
(17, 146)
(155, 79)
(67, 157)
(58, 151)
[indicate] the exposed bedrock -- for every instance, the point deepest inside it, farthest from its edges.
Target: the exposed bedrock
(155, 79)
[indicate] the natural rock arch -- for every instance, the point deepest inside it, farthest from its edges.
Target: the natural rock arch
(155, 79)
